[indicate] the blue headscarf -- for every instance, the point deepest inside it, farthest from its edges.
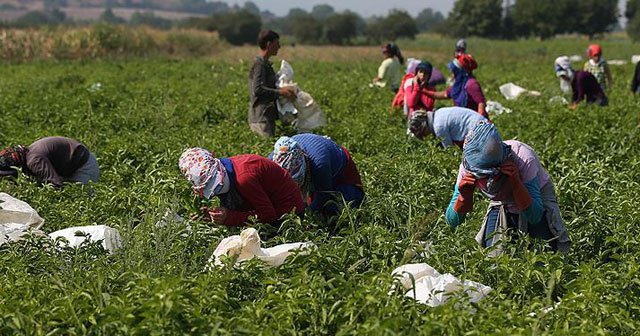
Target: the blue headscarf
(461, 76)
(484, 151)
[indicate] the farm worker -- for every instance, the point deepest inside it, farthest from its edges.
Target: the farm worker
(635, 81)
(461, 48)
(509, 173)
(448, 124)
(390, 70)
(436, 78)
(598, 67)
(51, 160)
(322, 169)
(263, 93)
(583, 84)
(246, 185)
(415, 98)
(465, 91)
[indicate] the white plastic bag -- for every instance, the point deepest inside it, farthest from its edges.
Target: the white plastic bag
(617, 62)
(246, 246)
(558, 100)
(575, 58)
(432, 288)
(17, 218)
(303, 108)
(512, 91)
(110, 237)
(496, 108)
(635, 59)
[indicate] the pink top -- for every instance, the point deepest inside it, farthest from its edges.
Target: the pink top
(416, 99)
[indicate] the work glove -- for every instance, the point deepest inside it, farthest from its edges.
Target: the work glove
(464, 202)
(520, 194)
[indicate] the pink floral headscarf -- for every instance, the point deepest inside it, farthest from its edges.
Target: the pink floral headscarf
(204, 171)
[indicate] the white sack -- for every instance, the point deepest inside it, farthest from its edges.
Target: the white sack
(635, 59)
(432, 288)
(512, 91)
(110, 237)
(303, 108)
(558, 100)
(246, 246)
(17, 218)
(617, 62)
(496, 108)
(575, 58)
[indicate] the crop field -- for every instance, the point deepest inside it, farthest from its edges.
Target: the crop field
(146, 111)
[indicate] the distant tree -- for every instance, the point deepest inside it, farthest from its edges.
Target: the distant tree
(475, 18)
(305, 28)
(293, 12)
(40, 18)
(541, 18)
(595, 16)
(322, 12)
(109, 17)
(251, 7)
(149, 19)
(340, 28)
(428, 19)
(633, 20)
(238, 27)
(395, 25)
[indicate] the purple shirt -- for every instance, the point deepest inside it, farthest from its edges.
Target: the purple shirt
(474, 94)
(585, 86)
(529, 168)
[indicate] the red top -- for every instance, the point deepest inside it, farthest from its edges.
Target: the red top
(268, 190)
(416, 99)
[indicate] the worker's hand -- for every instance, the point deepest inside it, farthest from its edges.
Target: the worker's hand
(287, 92)
(573, 106)
(216, 215)
(509, 169)
(467, 185)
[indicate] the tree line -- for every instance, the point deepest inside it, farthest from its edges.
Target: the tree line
(324, 25)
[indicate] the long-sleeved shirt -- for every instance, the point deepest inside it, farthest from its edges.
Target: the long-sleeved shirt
(330, 165)
(451, 124)
(267, 190)
(390, 73)
(416, 99)
(533, 175)
(53, 158)
(585, 86)
(262, 92)
(475, 96)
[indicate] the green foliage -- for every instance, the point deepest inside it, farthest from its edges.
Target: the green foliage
(397, 24)
(475, 18)
(595, 16)
(40, 18)
(340, 28)
(428, 19)
(149, 19)
(109, 17)
(238, 27)
(148, 110)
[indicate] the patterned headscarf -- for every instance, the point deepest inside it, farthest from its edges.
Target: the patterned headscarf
(204, 171)
(563, 67)
(13, 156)
(484, 151)
(419, 124)
(288, 154)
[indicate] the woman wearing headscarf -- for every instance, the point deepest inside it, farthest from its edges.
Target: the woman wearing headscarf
(414, 90)
(390, 70)
(246, 185)
(461, 48)
(465, 91)
(582, 84)
(522, 195)
(448, 124)
(322, 169)
(436, 78)
(51, 160)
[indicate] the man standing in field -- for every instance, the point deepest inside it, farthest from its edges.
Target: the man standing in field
(262, 87)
